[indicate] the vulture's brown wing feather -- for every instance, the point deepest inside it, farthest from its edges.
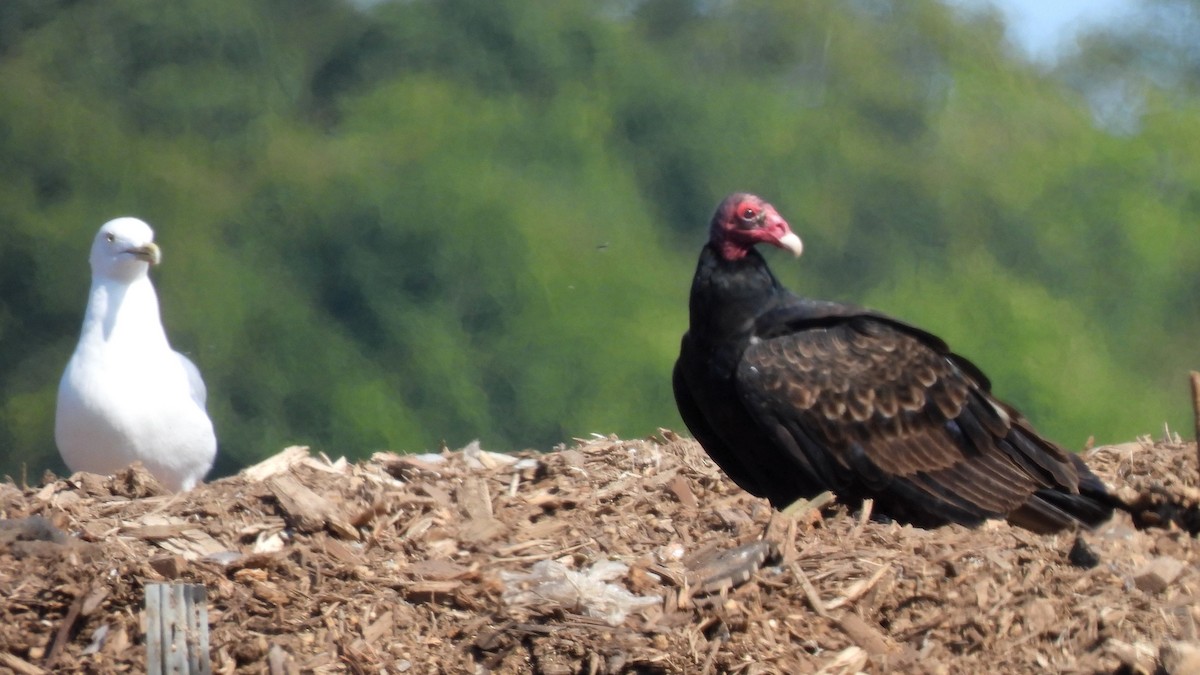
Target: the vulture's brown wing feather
(904, 421)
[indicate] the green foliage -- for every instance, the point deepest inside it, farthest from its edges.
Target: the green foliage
(429, 221)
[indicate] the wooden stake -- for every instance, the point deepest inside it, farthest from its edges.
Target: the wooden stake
(177, 629)
(1196, 412)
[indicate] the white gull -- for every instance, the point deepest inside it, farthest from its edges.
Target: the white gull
(126, 395)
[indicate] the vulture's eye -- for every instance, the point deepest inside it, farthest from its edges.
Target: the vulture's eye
(748, 213)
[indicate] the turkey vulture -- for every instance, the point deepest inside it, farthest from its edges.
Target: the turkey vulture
(792, 396)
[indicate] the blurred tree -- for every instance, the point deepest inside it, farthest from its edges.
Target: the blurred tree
(393, 224)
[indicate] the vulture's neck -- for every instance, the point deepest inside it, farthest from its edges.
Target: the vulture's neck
(727, 295)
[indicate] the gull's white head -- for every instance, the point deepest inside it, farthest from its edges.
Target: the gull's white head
(124, 249)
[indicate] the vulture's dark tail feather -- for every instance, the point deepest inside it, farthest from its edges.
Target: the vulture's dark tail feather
(1054, 510)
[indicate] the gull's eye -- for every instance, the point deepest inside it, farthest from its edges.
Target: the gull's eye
(108, 236)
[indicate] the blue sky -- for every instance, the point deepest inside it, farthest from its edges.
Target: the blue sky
(1042, 27)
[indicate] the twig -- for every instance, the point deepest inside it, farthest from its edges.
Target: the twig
(859, 588)
(64, 631)
(710, 658)
(542, 556)
(810, 593)
(789, 549)
(802, 506)
(864, 516)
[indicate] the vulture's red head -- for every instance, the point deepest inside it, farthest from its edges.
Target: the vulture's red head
(743, 220)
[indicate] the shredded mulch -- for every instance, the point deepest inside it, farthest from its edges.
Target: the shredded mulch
(611, 556)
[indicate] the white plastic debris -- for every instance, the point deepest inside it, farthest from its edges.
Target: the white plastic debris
(670, 553)
(645, 456)
(588, 591)
(269, 543)
(97, 642)
(477, 458)
(223, 558)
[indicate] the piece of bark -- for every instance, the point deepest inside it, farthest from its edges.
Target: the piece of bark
(309, 511)
(1156, 575)
(863, 634)
(170, 566)
(678, 485)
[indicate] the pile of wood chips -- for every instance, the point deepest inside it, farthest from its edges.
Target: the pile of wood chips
(611, 556)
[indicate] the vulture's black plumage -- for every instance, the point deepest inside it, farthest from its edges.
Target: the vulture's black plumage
(792, 397)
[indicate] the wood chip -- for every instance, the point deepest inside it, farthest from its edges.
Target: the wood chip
(800, 508)
(722, 570)
(19, 665)
(430, 591)
(1180, 658)
(440, 570)
(1156, 575)
(381, 627)
(279, 662)
(276, 464)
(859, 588)
(290, 593)
(849, 660)
(810, 593)
(864, 634)
(170, 566)
(682, 489)
(307, 510)
(475, 499)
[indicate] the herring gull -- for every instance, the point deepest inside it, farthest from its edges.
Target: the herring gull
(126, 395)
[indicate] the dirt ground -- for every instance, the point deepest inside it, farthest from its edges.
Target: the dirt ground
(610, 556)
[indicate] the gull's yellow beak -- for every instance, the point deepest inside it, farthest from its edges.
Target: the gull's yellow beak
(149, 252)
